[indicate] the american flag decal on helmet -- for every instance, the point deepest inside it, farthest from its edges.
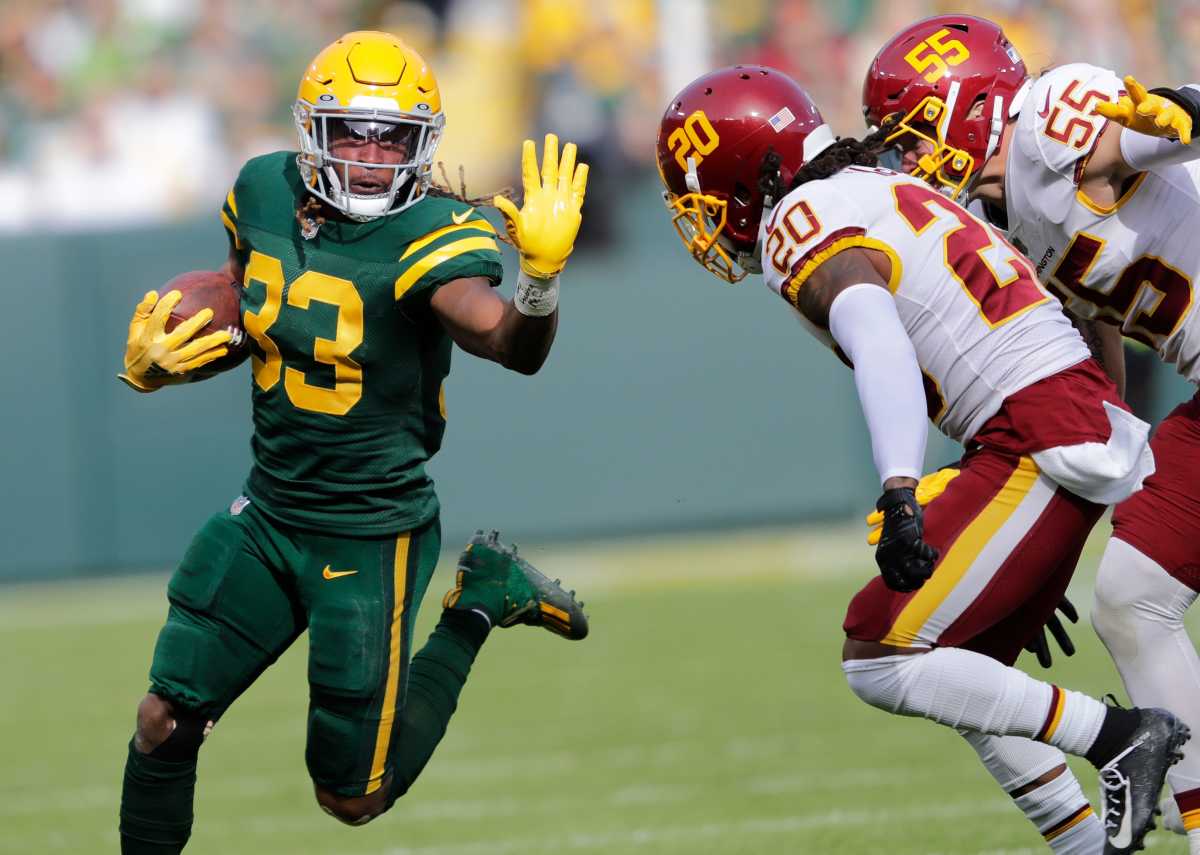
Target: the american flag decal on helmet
(782, 119)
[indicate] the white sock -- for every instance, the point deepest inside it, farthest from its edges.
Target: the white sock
(1057, 808)
(1138, 614)
(1194, 841)
(971, 691)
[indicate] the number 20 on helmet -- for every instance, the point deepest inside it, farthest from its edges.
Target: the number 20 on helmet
(713, 142)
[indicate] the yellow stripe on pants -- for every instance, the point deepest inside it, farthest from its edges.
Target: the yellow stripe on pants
(962, 554)
(387, 715)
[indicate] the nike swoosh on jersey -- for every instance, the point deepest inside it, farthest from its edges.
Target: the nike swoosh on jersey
(330, 573)
(459, 219)
(1046, 109)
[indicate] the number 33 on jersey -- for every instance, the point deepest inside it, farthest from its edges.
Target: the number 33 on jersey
(348, 358)
(980, 323)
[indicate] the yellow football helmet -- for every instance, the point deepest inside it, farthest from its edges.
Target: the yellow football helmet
(368, 85)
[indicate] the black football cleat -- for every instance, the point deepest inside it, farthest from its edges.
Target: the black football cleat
(1131, 782)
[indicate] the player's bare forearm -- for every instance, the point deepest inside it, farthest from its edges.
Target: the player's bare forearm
(1105, 174)
(525, 342)
(1107, 345)
(490, 327)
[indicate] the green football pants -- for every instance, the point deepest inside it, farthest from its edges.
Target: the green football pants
(245, 590)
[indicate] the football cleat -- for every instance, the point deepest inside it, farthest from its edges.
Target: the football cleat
(494, 581)
(1131, 782)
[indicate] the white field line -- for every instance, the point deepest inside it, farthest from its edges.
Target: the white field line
(660, 562)
(249, 787)
(625, 839)
(649, 563)
(615, 840)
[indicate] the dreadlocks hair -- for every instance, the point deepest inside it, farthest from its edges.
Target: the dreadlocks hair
(770, 184)
(309, 215)
(847, 151)
(444, 190)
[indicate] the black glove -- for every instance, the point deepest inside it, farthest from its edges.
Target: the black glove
(905, 560)
(1040, 646)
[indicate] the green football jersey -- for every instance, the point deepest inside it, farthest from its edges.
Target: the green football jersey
(348, 358)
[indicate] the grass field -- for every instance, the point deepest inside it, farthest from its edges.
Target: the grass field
(706, 714)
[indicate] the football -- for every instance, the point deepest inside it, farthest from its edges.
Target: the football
(217, 291)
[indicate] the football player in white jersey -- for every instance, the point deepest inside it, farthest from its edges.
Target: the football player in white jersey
(939, 316)
(1096, 180)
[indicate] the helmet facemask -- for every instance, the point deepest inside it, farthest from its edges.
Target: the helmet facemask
(398, 185)
(947, 168)
(700, 219)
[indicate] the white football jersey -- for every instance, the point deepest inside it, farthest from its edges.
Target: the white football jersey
(1133, 262)
(980, 323)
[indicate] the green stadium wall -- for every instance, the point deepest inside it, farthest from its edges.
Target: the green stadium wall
(670, 401)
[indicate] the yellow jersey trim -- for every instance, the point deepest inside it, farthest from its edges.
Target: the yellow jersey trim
(387, 715)
(237, 241)
(478, 225)
(1104, 210)
(442, 254)
(793, 285)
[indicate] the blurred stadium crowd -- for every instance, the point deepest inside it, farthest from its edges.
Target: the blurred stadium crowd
(116, 112)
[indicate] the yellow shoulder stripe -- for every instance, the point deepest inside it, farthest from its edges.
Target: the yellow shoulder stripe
(793, 285)
(410, 277)
(237, 241)
(480, 225)
(232, 203)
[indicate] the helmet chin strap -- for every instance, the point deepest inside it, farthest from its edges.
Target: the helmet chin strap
(1000, 115)
(692, 178)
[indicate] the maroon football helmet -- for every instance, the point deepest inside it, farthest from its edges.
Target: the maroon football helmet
(925, 84)
(712, 141)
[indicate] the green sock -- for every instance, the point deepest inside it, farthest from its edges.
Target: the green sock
(435, 679)
(156, 804)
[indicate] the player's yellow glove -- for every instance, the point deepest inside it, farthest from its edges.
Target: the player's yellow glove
(1148, 113)
(154, 357)
(544, 229)
(928, 488)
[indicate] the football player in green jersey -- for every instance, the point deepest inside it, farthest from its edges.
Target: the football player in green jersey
(356, 279)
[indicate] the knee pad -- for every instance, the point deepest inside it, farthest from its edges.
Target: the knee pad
(880, 682)
(185, 740)
(1133, 591)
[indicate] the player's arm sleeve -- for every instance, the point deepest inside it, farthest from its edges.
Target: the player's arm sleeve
(456, 251)
(864, 322)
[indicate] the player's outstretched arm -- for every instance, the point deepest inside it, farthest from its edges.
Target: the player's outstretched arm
(848, 296)
(154, 357)
(486, 325)
(1147, 129)
(518, 334)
